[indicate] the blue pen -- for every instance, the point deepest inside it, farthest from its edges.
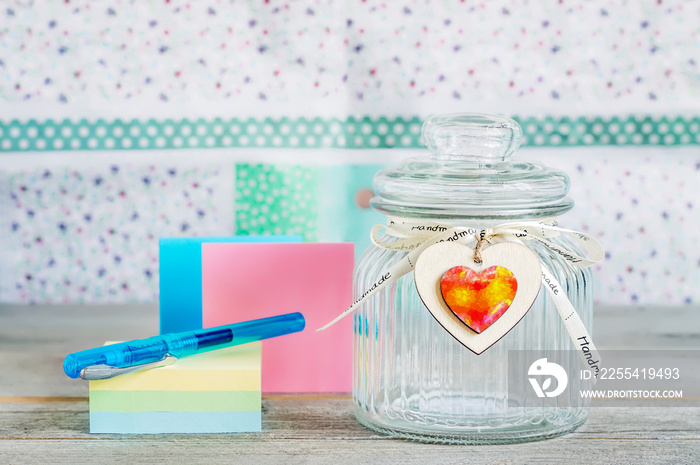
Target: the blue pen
(126, 357)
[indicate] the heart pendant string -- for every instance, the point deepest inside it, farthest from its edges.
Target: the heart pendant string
(481, 239)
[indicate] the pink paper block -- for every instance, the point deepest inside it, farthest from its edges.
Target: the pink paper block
(245, 281)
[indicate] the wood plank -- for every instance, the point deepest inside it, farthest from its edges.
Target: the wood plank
(339, 451)
(643, 328)
(44, 415)
(34, 340)
(325, 429)
(311, 416)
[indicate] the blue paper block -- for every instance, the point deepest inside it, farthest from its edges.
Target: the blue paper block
(174, 422)
(181, 278)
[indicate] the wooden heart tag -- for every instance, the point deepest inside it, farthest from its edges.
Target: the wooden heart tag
(478, 303)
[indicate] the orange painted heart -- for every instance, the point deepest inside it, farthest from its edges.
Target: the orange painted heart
(478, 299)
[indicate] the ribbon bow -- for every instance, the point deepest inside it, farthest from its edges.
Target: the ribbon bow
(414, 236)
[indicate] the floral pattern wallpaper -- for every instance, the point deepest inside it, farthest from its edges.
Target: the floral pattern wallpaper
(296, 103)
(91, 234)
(361, 50)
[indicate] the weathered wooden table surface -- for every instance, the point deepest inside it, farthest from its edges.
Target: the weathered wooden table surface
(44, 415)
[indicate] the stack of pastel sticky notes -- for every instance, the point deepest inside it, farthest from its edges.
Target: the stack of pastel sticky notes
(213, 392)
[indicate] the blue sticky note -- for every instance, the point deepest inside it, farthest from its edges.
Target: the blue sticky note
(174, 422)
(181, 278)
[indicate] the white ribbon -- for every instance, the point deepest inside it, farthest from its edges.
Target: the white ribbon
(414, 236)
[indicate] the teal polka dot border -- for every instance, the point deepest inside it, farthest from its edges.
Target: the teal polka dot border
(354, 133)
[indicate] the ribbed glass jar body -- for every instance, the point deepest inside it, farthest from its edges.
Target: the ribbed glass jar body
(413, 379)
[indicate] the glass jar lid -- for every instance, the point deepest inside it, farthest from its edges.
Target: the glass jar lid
(469, 173)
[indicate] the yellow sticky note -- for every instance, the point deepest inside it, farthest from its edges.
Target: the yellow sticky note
(232, 369)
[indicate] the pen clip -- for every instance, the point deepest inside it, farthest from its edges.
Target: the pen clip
(96, 372)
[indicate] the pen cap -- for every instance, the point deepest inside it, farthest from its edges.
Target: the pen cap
(118, 355)
(79, 360)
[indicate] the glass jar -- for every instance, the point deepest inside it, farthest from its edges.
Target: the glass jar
(412, 379)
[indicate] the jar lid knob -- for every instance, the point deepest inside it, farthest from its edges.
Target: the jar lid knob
(478, 137)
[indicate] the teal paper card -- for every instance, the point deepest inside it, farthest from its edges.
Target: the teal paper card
(181, 278)
(344, 213)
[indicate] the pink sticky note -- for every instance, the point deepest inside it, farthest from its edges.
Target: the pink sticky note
(246, 281)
